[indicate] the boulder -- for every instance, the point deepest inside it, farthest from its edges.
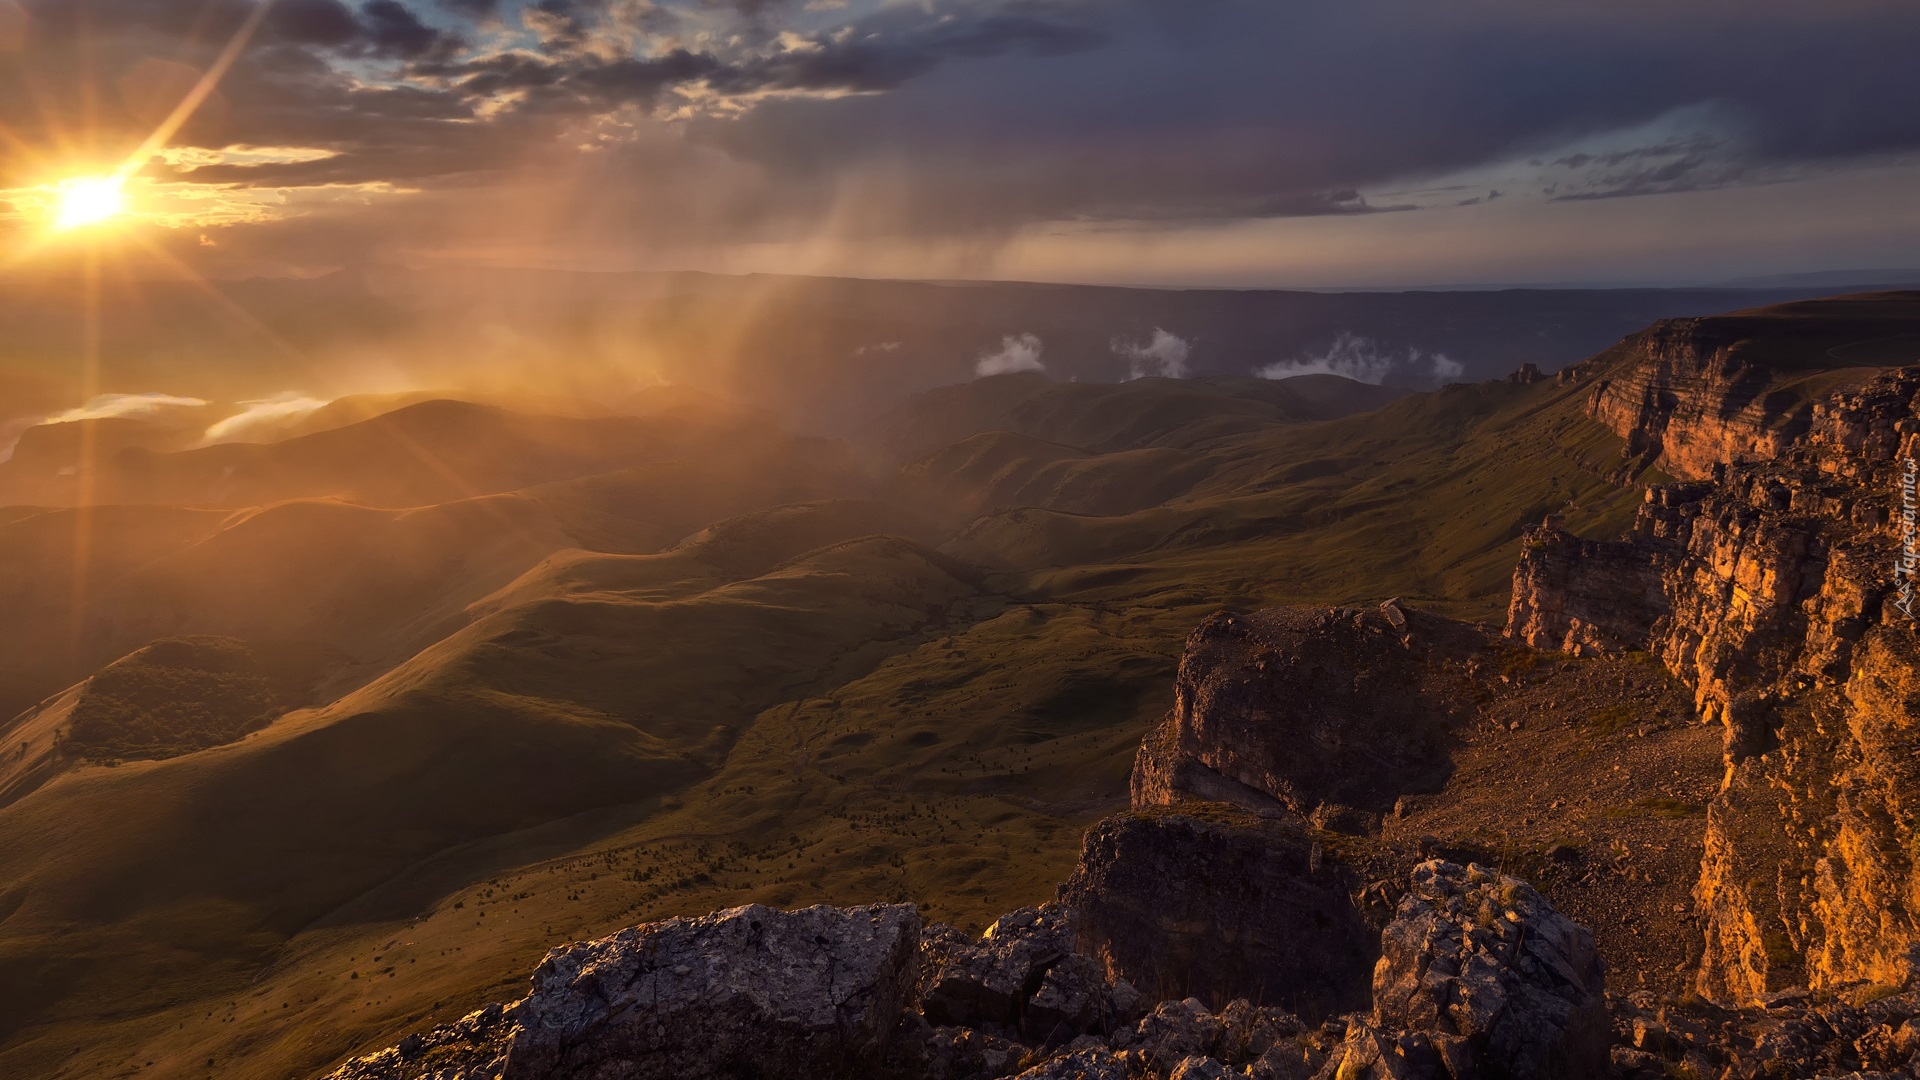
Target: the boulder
(746, 993)
(1073, 999)
(1222, 903)
(1480, 976)
(1020, 978)
(1289, 1059)
(969, 982)
(1199, 1068)
(1173, 1032)
(1248, 1031)
(1089, 1064)
(953, 1053)
(471, 1048)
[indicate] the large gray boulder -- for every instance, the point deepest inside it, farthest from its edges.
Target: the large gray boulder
(1480, 977)
(744, 994)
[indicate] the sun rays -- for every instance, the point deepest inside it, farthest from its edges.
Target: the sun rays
(89, 201)
(84, 201)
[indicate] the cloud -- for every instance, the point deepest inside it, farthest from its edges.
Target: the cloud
(1364, 360)
(1017, 352)
(10, 432)
(393, 29)
(262, 416)
(1162, 354)
(971, 119)
(107, 406)
(101, 407)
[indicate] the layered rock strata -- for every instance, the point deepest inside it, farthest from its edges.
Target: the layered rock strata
(1691, 401)
(1773, 590)
(1692, 394)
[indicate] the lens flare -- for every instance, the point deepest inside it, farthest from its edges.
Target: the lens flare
(90, 201)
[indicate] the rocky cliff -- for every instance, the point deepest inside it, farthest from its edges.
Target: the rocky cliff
(1691, 394)
(1771, 588)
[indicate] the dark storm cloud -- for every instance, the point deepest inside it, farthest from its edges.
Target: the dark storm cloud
(475, 9)
(879, 53)
(991, 114)
(312, 22)
(1223, 108)
(883, 55)
(393, 28)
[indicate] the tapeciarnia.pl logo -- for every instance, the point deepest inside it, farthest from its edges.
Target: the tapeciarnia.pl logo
(1904, 563)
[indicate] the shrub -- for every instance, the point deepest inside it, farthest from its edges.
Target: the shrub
(173, 697)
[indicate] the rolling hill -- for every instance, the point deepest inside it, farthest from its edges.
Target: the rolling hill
(424, 453)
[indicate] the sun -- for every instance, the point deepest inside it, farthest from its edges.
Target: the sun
(90, 200)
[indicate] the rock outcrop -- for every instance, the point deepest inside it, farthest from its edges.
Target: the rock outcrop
(1023, 979)
(1475, 968)
(472, 1048)
(1771, 589)
(1863, 1036)
(1691, 401)
(740, 994)
(1584, 596)
(1221, 904)
(1479, 976)
(750, 992)
(1328, 711)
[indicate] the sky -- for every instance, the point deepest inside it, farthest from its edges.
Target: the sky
(1162, 142)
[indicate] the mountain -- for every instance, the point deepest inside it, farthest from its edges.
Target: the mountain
(540, 715)
(1851, 280)
(825, 353)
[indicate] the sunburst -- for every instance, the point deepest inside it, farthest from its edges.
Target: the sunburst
(89, 201)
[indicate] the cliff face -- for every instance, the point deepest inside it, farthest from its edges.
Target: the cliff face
(1771, 590)
(1693, 394)
(1690, 402)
